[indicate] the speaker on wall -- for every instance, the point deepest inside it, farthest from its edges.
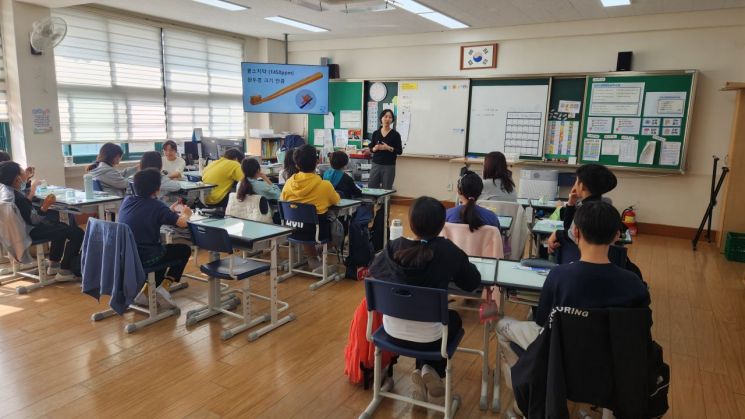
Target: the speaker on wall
(624, 61)
(333, 71)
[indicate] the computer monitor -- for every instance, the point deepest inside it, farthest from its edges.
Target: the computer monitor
(191, 152)
(213, 148)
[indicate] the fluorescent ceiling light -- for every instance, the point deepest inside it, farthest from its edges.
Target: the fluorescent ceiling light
(412, 6)
(223, 4)
(444, 20)
(427, 13)
(295, 23)
(613, 3)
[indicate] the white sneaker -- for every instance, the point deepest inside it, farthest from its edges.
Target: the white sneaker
(64, 275)
(53, 269)
(164, 299)
(330, 270)
(313, 263)
(141, 299)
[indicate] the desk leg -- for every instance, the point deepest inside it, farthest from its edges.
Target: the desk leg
(385, 220)
(273, 300)
(102, 212)
(495, 402)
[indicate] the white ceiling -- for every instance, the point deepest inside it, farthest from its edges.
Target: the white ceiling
(357, 23)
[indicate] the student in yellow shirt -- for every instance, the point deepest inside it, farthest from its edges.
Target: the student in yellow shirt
(223, 173)
(307, 187)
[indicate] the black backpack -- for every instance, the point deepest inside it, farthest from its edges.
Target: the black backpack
(360, 247)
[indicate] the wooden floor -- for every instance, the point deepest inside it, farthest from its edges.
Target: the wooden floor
(55, 362)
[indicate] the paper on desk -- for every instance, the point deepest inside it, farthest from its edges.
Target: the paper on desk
(627, 152)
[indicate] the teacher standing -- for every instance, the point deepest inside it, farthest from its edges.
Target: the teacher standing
(386, 146)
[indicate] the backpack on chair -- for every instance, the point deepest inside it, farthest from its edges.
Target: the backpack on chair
(360, 247)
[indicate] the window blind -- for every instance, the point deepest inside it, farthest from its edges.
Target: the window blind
(109, 80)
(3, 88)
(203, 84)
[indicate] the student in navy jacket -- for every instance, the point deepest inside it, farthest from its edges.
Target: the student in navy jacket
(591, 282)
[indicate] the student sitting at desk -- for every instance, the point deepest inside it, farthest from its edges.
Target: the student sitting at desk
(173, 164)
(144, 213)
(152, 160)
(467, 212)
(592, 282)
(223, 173)
(498, 183)
(65, 239)
(308, 188)
(343, 183)
(426, 261)
(112, 181)
(248, 203)
(593, 180)
(259, 181)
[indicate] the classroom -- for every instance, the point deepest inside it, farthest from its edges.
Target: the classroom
(372, 208)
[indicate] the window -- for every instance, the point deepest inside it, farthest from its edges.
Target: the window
(4, 125)
(203, 85)
(111, 86)
(3, 88)
(109, 80)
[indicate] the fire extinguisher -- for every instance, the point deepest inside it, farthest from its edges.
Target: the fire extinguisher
(628, 218)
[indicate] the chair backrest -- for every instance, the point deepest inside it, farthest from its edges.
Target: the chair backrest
(608, 360)
(297, 215)
(484, 242)
(131, 184)
(407, 302)
(213, 239)
(97, 186)
(518, 233)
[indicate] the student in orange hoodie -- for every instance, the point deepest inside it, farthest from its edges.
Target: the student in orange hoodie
(307, 187)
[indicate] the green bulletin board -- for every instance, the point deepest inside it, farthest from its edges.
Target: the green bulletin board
(343, 96)
(565, 107)
(638, 120)
(390, 97)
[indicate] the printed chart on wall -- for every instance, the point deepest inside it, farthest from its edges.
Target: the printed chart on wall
(564, 115)
(508, 116)
(638, 121)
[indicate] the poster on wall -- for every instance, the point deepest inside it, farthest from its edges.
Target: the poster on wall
(41, 120)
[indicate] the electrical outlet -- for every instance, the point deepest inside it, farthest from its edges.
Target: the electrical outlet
(450, 186)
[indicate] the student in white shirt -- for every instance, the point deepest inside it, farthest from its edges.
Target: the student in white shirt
(498, 183)
(173, 164)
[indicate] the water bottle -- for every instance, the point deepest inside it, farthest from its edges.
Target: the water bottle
(88, 185)
(396, 230)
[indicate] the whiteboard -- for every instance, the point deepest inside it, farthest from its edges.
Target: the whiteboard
(508, 118)
(432, 116)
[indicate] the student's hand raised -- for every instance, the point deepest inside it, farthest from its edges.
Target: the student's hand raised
(30, 172)
(573, 197)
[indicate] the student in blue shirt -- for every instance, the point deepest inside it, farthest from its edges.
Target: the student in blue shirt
(470, 186)
(343, 183)
(144, 213)
(259, 181)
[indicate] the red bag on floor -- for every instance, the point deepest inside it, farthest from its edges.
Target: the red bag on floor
(359, 354)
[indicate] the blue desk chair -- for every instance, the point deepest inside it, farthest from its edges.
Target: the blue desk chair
(297, 215)
(409, 303)
(216, 240)
(99, 234)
